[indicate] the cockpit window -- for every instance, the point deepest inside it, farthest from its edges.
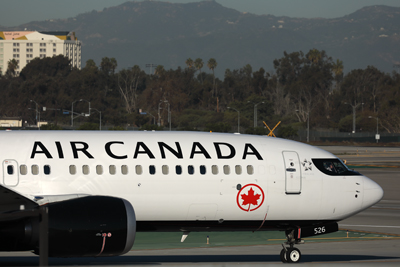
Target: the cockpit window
(333, 167)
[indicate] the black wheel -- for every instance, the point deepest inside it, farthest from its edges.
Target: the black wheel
(283, 256)
(293, 255)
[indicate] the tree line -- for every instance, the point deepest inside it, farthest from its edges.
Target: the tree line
(303, 86)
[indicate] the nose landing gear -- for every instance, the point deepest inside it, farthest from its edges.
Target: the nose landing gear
(290, 254)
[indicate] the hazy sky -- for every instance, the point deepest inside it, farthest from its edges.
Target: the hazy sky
(16, 12)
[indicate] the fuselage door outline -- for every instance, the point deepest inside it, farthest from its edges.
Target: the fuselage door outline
(10, 173)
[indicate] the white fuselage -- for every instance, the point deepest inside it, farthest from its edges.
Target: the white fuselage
(225, 177)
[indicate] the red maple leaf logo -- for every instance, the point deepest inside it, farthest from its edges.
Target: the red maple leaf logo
(250, 198)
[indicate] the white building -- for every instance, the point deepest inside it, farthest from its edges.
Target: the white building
(23, 46)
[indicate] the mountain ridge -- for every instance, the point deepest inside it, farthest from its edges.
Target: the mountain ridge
(136, 33)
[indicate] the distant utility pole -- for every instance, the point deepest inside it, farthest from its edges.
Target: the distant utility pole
(151, 66)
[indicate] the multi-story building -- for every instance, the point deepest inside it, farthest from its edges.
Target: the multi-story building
(23, 46)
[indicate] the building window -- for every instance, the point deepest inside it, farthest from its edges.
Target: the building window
(42, 56)
(54, 44)
(54, 50)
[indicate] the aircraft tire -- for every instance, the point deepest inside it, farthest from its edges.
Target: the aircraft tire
(293, 255)
(283, 256)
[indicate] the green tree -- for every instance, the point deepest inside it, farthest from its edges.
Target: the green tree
(12, 67)
(314, 55)
(212, 64)
(337, 68)
(108, 65)
(159, 71)
(189, 63)
(198, 64)
(48, 66)
(129, 82)
(90, 64)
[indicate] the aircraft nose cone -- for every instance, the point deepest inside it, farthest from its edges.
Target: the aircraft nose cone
(373, 193)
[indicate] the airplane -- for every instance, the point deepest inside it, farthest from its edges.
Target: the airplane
(101, 187)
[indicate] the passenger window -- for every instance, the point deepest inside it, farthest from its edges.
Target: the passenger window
(139, 169)
(112, 169)
(178, 169)
(165, 169)
(10, 169)
(124, 169)
(190, 169)
(250, 169)
(227, 169)
(85, 169)
(152, 169)
(72, 169)
(99, 169)
(46, 169)
(203, 169)
(214, 169)
(35, 169)
(238, 169)
(23, 169)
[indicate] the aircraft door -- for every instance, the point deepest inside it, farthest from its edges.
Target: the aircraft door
(10, 172)
(292, 172)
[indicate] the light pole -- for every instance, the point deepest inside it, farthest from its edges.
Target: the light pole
(100, 115)
(72, 110)
(169, 115)
(238, 118)
(255, 112)
(308, 127)
(154, 118)
(159, 117)
(354, 114)
(37, 122)
(377, 128)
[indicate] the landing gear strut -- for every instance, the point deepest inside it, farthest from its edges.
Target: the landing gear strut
(290, 254)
